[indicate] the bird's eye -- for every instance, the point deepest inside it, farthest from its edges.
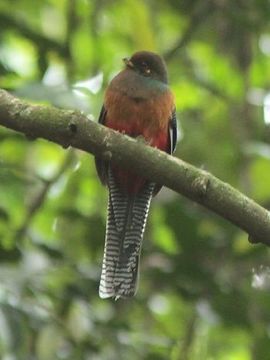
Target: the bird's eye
(146, 68)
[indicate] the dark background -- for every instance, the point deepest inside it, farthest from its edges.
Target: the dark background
(204, 290)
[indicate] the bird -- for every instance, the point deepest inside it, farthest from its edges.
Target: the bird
(139, 103)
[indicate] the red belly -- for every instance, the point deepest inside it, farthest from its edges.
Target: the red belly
(128, 180)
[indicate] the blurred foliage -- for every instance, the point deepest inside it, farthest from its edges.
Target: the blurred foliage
(204, 290)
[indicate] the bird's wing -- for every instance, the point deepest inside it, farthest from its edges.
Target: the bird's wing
(173, 132)
(172, 143)
(101, 165)
(102, 115)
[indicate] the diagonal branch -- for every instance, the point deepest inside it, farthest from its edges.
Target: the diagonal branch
(40, 40)
(200, 15)
(72, 128)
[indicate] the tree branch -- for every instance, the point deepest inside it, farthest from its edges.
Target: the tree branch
(72, 128)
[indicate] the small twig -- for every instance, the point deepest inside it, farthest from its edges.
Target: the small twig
(70, 30)
(210, 87)
(94, 23)
(203, 83)
(39, 199)
(200, 15)
(41, 41)
(186, 343)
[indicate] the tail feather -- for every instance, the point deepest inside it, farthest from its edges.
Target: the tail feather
(126, 222)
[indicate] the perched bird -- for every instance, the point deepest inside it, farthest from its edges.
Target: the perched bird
(139, 103)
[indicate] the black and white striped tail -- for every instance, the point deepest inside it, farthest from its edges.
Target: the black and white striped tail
(126, 221)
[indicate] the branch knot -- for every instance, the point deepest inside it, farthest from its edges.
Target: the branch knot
(200, 185)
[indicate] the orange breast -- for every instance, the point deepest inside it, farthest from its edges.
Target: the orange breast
(139, 117)
(147, 117)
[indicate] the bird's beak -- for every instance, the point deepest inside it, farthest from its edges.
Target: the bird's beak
(128, 63)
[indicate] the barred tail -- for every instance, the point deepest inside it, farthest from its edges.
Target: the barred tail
(126, 221)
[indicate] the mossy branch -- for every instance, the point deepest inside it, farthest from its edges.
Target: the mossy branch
(72, 128)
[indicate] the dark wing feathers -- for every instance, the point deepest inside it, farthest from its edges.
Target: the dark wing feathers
(102, 115)
(101, 165)
(172, 145)
(173, 132)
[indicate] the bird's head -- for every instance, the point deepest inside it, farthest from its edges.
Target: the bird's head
(148, 64)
